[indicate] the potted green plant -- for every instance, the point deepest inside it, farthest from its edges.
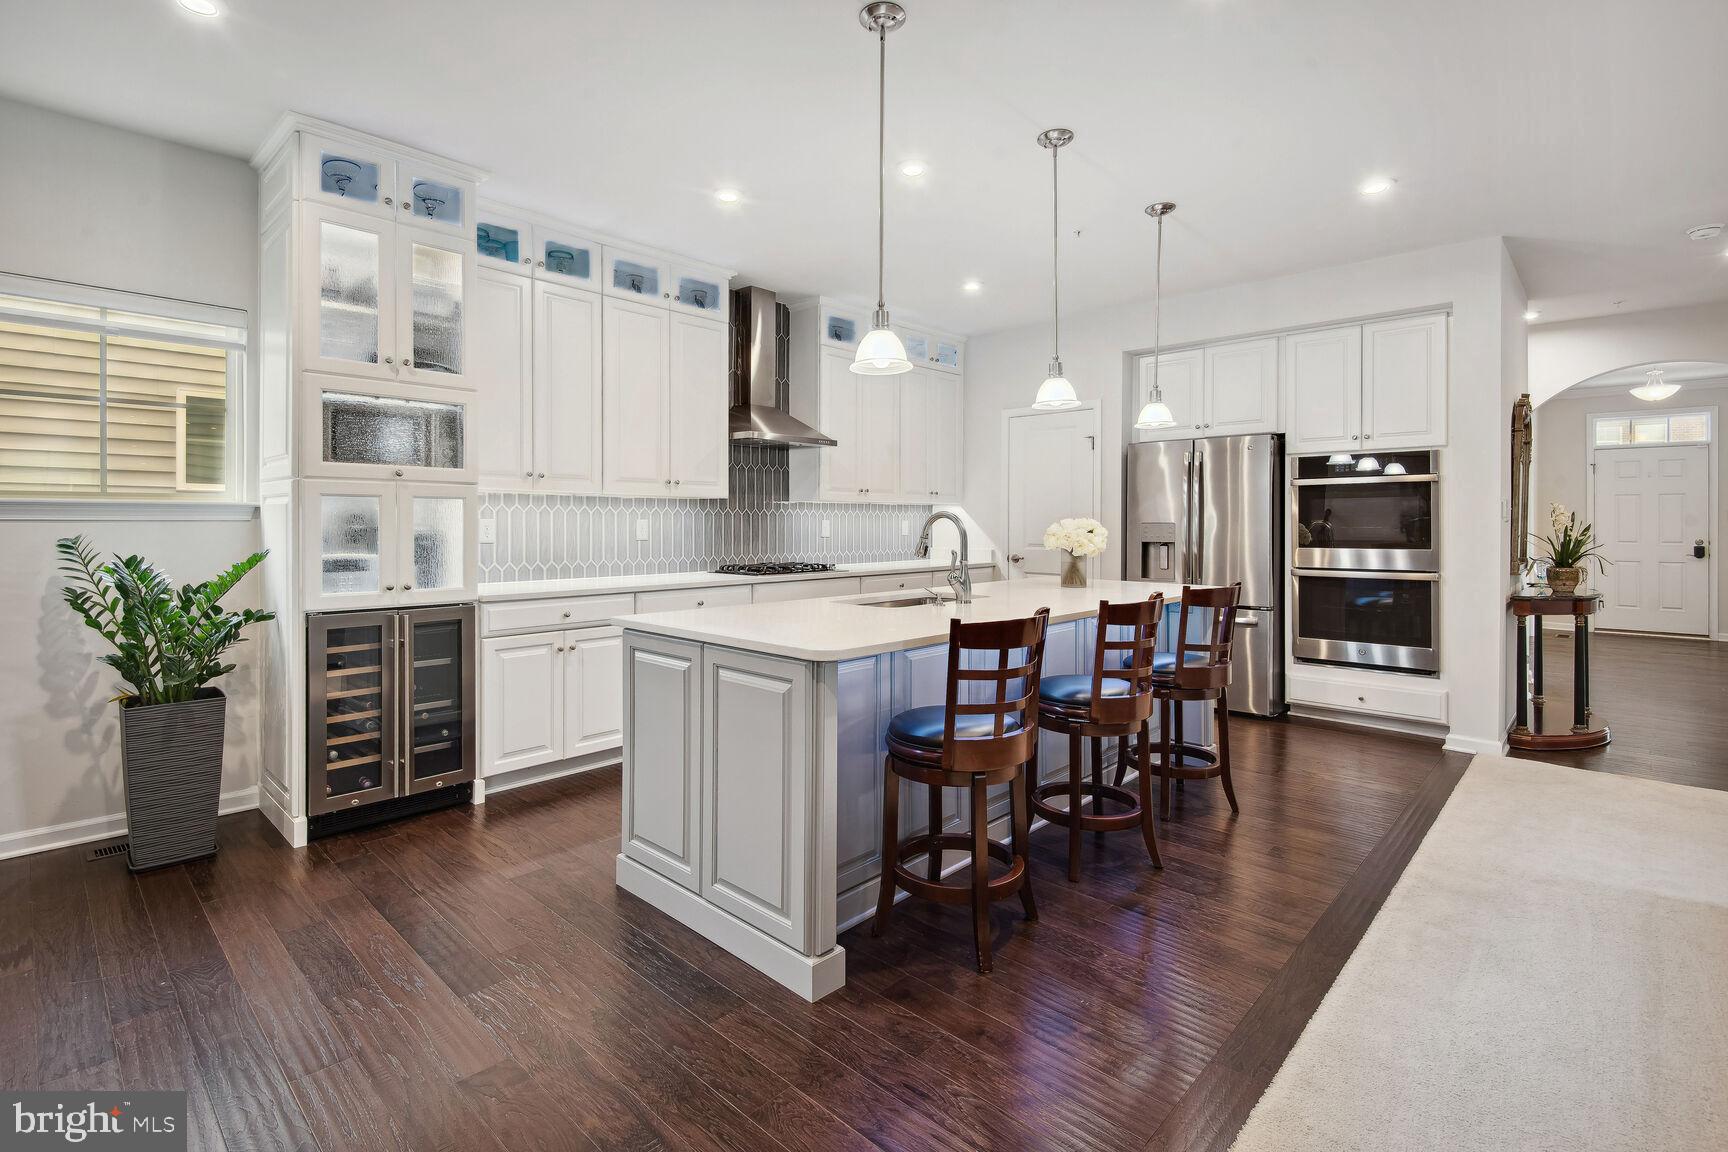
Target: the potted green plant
(1571, 546)
(168, 646)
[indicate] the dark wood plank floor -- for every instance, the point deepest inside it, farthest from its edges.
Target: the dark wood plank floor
(473, 979)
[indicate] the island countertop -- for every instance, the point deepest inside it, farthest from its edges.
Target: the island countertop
(849, 627)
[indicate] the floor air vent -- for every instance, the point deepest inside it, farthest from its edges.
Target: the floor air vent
(106, 850)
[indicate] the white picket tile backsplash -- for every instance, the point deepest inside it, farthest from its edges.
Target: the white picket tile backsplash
(547, 536)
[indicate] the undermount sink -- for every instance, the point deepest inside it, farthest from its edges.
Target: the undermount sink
(923, 598)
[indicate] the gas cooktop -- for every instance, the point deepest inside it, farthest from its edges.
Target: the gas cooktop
(772, 568)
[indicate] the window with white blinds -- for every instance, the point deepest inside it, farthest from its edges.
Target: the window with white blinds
(98, 400)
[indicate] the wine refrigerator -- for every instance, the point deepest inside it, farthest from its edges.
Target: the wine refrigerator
(390, 714)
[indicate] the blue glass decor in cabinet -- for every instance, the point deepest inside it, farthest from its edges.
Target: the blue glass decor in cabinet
(641, 279)
(499, 242)
(839, 329)
(917, 347)
(947, 354)
(569, 260)
(435, 200)
(347, 178)
(699, 294)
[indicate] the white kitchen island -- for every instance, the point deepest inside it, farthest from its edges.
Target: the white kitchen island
(753, 748)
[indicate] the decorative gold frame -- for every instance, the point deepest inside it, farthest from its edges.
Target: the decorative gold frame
(1523, 448)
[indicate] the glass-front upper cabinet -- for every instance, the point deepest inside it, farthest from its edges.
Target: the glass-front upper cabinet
(352, 326)
(843, 327)
(358, 179)
(440, 664)
(946, 354)
(438, 527)
(433, 199)
(504, 242)
(636, 276)
(564, 258)
(435, 271)
(700, 291)
(385, 431)
(917, 347)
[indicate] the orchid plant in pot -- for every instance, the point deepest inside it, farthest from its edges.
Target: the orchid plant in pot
(1571, 547)
(168, 647)
(1080, 537)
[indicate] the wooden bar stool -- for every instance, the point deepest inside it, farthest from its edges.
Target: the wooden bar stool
(972, 744)
(1199, 669)
(1119, 705)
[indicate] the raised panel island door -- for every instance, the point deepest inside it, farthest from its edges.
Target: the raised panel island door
(593, 690)
(662, 756)
(1182, 381)
(521, 702)
(567, 403)
(1404, 383)
(700, 399)
(501, 370)
(756, 790)
(637, 366)
(1241, 388)
(1323, 371)
(842, 465)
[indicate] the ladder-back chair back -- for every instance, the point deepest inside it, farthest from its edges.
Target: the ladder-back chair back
(1126, 655)
(1011, 690)
(1208, 629)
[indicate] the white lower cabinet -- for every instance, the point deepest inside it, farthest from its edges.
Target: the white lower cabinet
(662, 772)
(549, 696)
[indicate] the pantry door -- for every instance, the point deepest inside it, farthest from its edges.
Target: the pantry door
(1050, 471)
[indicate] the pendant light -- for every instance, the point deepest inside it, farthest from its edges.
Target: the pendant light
(881, 353)
(1654, 387)
(1055, 392)
(1156, 413)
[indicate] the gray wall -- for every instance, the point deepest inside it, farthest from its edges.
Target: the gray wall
(96, 205)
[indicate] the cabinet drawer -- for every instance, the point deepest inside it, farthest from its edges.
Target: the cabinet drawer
(802, 589)
(896, 580)
(547, 615)
(1414, 703)
(682, 599)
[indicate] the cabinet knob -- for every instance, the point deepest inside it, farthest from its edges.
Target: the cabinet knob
(388, 201)
(1196, 427)
(666, 295)
(542, 475)
(529, 260)
(701, 603)
(389, 359)
(389, 587)
(407, 363)
(405, 206)
(530, 475)
(1366, 436)
(407, 587)
(566, 615)
(1355, 437)
(537, 263)
(676, 482)
(398, 471)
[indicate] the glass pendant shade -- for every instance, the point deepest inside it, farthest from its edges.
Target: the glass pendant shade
(1655, 388)
(1055, 393)
(1156, 414)
(881, 353)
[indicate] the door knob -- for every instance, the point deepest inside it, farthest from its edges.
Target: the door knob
(1700, 550)
(1015, 558)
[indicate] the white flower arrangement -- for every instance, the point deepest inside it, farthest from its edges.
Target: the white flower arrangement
(1077, 536)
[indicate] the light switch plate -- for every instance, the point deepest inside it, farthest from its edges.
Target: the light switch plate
(488, 530)
(827, 529)
(905, 527)
(642, 530)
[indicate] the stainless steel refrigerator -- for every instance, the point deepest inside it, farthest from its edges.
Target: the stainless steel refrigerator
(1212, 512)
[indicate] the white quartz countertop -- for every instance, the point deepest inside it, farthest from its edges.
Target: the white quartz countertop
(597, 585)
(847, 627)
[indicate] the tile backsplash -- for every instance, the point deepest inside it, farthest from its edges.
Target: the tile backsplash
(547, 536)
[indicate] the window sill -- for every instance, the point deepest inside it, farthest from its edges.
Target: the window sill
(143, 510)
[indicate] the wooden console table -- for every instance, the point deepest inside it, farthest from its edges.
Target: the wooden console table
(1528, 728)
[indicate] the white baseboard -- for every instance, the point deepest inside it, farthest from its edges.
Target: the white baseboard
(293, 829)
(108, 827)
(1474, 746)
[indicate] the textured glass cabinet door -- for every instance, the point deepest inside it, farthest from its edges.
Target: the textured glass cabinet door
(351, 559)
(440, 664)
(437, 542)
(355, 320)
(351, 715)
(391, 433)
(438, 274)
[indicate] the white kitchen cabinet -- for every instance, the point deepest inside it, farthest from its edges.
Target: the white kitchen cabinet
(637, 358)
(1324, 370)
(1241, 388)
(1404, 366)
(947, 438)
(699, 396)
(522, 702)
(879, 436)
(686, 599)
(372, 544)
(567, 407)
(501, 320)
(918, 404)
(1370, 387)
(593, 674)
(779, 591)
(662, 798)
(1182, 380)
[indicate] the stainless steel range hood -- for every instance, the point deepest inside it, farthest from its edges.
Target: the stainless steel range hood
(761, 338)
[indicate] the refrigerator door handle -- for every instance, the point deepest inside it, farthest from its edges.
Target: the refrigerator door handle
(1187, 517)
(1197, 505)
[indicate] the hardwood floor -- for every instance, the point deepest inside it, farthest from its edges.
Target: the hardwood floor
(472, 979)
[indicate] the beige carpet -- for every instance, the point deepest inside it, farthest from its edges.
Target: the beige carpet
(1551, 972)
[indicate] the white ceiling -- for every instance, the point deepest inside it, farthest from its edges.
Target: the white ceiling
(1589, 132)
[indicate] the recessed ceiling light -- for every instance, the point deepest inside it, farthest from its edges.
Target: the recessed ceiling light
(1531, 314)
(972, 286)
(200, 7)
(912, 168)
(1376, 185)
(727, 195)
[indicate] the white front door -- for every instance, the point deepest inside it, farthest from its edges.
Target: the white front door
(1652, 509)
(1052, 473)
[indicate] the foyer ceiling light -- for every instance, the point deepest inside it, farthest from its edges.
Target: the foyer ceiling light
(1156, 413)
(1055, 392)
(881, 353)
(200, 7)
(1654, 387)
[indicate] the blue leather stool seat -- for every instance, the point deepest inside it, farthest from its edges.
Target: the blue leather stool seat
(1165, 662)
(1074, 690)
(922, 727)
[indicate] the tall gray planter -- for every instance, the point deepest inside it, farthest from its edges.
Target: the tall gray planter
(171, 756)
